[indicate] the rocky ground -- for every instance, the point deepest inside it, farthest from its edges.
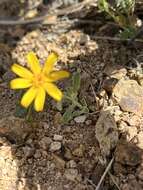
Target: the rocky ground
(48, 155)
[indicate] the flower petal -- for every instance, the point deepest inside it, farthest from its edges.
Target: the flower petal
(28, 97)
(49, 64)
(21, 71)
(40, 99)
(33, 63)
(53, 91)
(57, 75)
(20, 83)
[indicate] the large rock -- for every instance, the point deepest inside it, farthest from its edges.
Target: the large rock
(129, 95)
(106, 132)
(15, 129)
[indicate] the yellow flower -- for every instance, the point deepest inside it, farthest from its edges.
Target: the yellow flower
(39, 80)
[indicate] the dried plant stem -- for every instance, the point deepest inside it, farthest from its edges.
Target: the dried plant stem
(104, 174)
(65, 11)
(114, 181)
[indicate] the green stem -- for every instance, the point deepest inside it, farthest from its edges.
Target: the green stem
(29, 114)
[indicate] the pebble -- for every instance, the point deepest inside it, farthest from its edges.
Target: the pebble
(71, 174)
(80, 119)
(68, 154)
(45, 142)
(78, 151)
(131, 132)
(37, 154)
(71, 164)
(129, 95)
(88, 122)
(28, 151)
(55, 146)
(58, 138)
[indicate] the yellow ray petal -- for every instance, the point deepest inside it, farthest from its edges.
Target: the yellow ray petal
(53, 91)
(28, 97)
(33, 63)
(40, 99)
(20, 83)
(49, 64)
(21, 71)
(57, 75)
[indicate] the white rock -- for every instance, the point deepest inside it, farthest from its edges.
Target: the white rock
(45, 142)
(55, 146)
(58, 138)
(80, 119)
(71, 174)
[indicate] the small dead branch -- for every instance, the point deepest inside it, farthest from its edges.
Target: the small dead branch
(114, 39)
(104, 174)
(90, 181)
(65, 11)
(114, 181)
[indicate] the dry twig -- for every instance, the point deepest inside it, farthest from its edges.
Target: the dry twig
(104, 174)
(114, 39)
(65, 11)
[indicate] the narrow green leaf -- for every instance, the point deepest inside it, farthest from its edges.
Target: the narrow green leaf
(76, 80)
(68, 115)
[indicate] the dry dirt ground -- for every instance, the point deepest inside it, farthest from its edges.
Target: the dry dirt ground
(48, 155)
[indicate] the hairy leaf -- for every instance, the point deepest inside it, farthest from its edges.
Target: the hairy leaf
(68, 115)
(76, 82)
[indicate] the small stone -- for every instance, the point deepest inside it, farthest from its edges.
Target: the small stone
(28, 151)
(106, 132)
(83, 39)
(45, 125)
(37, 154)
(109, 84)
(115, 71)
(134, 120)
(129, 95)
(58, 138)
(127, 154)
(131, 132)
(78, 151)
(45, 142)
(122, 125)
(71, 164)
(30, 14)
(55, 146)
(29, 141)
(30, 161)
(68, 154)
(88, 122)
(80, 119)
(131, 177)
(71, 174)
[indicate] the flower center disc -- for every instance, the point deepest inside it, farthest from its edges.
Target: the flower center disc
(38, 80)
